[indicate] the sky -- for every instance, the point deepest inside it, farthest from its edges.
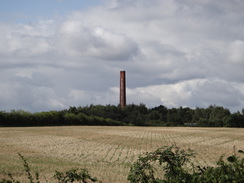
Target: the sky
(60, 53)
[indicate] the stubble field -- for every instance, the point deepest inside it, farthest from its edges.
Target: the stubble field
(107, 152)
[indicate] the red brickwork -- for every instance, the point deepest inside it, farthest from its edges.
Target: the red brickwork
(122, 89)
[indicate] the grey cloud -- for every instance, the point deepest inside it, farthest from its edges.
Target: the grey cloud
(236, 51)
(36, 79)
(217, 92)
(95, 42)
(15, 95)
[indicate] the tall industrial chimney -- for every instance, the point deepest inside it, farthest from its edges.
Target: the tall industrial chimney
(122, 89)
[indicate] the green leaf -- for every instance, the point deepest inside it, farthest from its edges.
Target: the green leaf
(231, 158)
(241, 151)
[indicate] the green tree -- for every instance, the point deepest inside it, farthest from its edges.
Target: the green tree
(71, 119)
(234, 120)
(217, 116)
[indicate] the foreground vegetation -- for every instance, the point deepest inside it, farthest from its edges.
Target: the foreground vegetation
(172, 161)
(108, 152)
(136, 115)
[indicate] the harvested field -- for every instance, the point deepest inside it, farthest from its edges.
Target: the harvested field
(107, 152)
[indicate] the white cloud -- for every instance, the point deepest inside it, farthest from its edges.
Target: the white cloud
(192, 93)
(25, 40)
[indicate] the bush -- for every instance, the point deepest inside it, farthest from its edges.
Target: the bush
(173, 162)
(231, 170)
(80, 175)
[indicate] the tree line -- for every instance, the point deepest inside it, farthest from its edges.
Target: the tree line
(132, 114)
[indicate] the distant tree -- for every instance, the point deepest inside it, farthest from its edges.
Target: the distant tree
(154, 115)
(71, 119)
(200, 116)
(73, 109)
(3, 118)
(174, 118)
(234, 120)
(217, 115)
(163, 111)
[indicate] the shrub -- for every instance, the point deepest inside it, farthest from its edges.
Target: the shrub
(231, 170)
(80, 175)
(173, 161)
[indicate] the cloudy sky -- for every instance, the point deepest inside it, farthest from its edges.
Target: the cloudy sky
(60, 53)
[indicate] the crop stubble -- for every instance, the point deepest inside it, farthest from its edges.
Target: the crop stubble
(107, 152)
